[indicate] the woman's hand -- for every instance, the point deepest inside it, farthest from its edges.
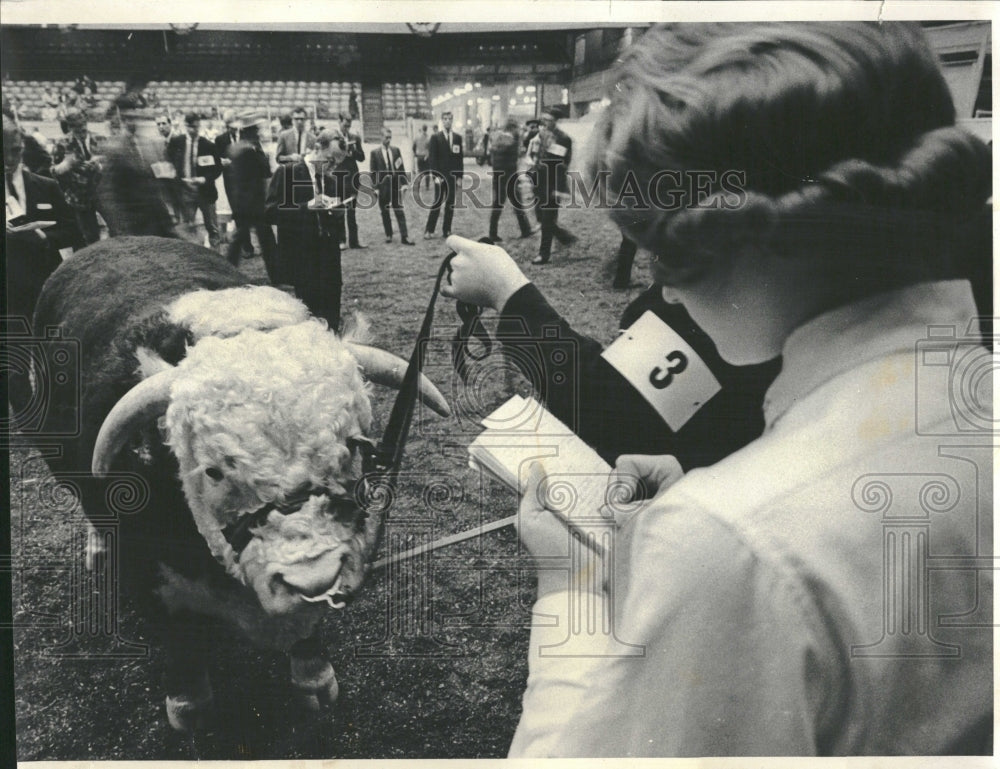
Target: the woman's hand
(547, 537)
(636, 479)
(481, 274)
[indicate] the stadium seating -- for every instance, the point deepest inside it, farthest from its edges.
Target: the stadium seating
(400, 99)
(277, 97)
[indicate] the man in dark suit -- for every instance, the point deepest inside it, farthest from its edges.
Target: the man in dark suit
(31, 254)
(446, 161)
(304, 201)
(348, 172)
(129, 192)
(223, 142)
(249, 171)
(389, 178)
(555, 152)
(198, 165)
(295, 143)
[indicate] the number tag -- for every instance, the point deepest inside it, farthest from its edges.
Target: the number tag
(399, 162)
(206, 160)
(456, 150)
(664, 368)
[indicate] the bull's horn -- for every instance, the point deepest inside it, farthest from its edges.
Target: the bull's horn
(145, 401)
(386, 369)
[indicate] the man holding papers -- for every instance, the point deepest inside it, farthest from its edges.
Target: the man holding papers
(305, 201)
(38, 224)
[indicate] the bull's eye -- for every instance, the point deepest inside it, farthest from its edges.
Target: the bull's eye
(214, 473)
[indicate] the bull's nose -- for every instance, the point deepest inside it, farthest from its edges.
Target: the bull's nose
(314, 577)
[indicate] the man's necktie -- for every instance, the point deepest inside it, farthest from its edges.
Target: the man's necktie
(300, 141)
(9, 177)
(83, 148)
(194, 156)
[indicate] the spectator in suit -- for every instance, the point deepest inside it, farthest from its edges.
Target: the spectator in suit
(32, 255)
(530, 132)
(352, 105)
(420, 154)
(349, 172)
(623, 263)
(389, 178)
(164, 170)
(223, 142)
(77, 167)
(129, 192)
(36, 156)
(198, 166)
(445, 158)
(249, 171)
(555, 152)
(299, 201)
(504, 155)
(295, 143)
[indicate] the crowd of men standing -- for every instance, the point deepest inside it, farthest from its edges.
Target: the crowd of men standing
(143, 181)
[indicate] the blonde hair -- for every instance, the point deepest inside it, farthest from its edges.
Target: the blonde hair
(841, 136)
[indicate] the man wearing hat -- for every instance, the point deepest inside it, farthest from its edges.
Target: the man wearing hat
(76, 165)
(555, 152)
(249, 170)
(198, 165)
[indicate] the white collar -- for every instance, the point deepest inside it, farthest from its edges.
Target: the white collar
(872, 328)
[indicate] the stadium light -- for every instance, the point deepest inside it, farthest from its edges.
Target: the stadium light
(530, 89)
(520, 90)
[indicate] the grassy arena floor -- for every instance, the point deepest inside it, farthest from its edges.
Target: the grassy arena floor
(430, 659)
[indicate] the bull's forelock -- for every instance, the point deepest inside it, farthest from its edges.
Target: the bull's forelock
(273, 410)
(227, 312)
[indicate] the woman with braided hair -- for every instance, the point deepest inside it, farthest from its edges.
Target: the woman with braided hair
(779, 602)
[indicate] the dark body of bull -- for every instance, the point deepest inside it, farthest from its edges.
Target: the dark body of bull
(113, 298)
(102, 298)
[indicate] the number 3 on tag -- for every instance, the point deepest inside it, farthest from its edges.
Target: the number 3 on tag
(661, 376)
(664, 368)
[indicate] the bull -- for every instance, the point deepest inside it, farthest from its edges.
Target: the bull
(228, 401)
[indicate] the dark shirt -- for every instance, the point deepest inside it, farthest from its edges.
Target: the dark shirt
(592, 398)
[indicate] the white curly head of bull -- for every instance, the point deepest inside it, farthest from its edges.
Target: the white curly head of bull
(270, 420)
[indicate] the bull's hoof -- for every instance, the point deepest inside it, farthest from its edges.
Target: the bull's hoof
(316, 683)
(189, 712)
